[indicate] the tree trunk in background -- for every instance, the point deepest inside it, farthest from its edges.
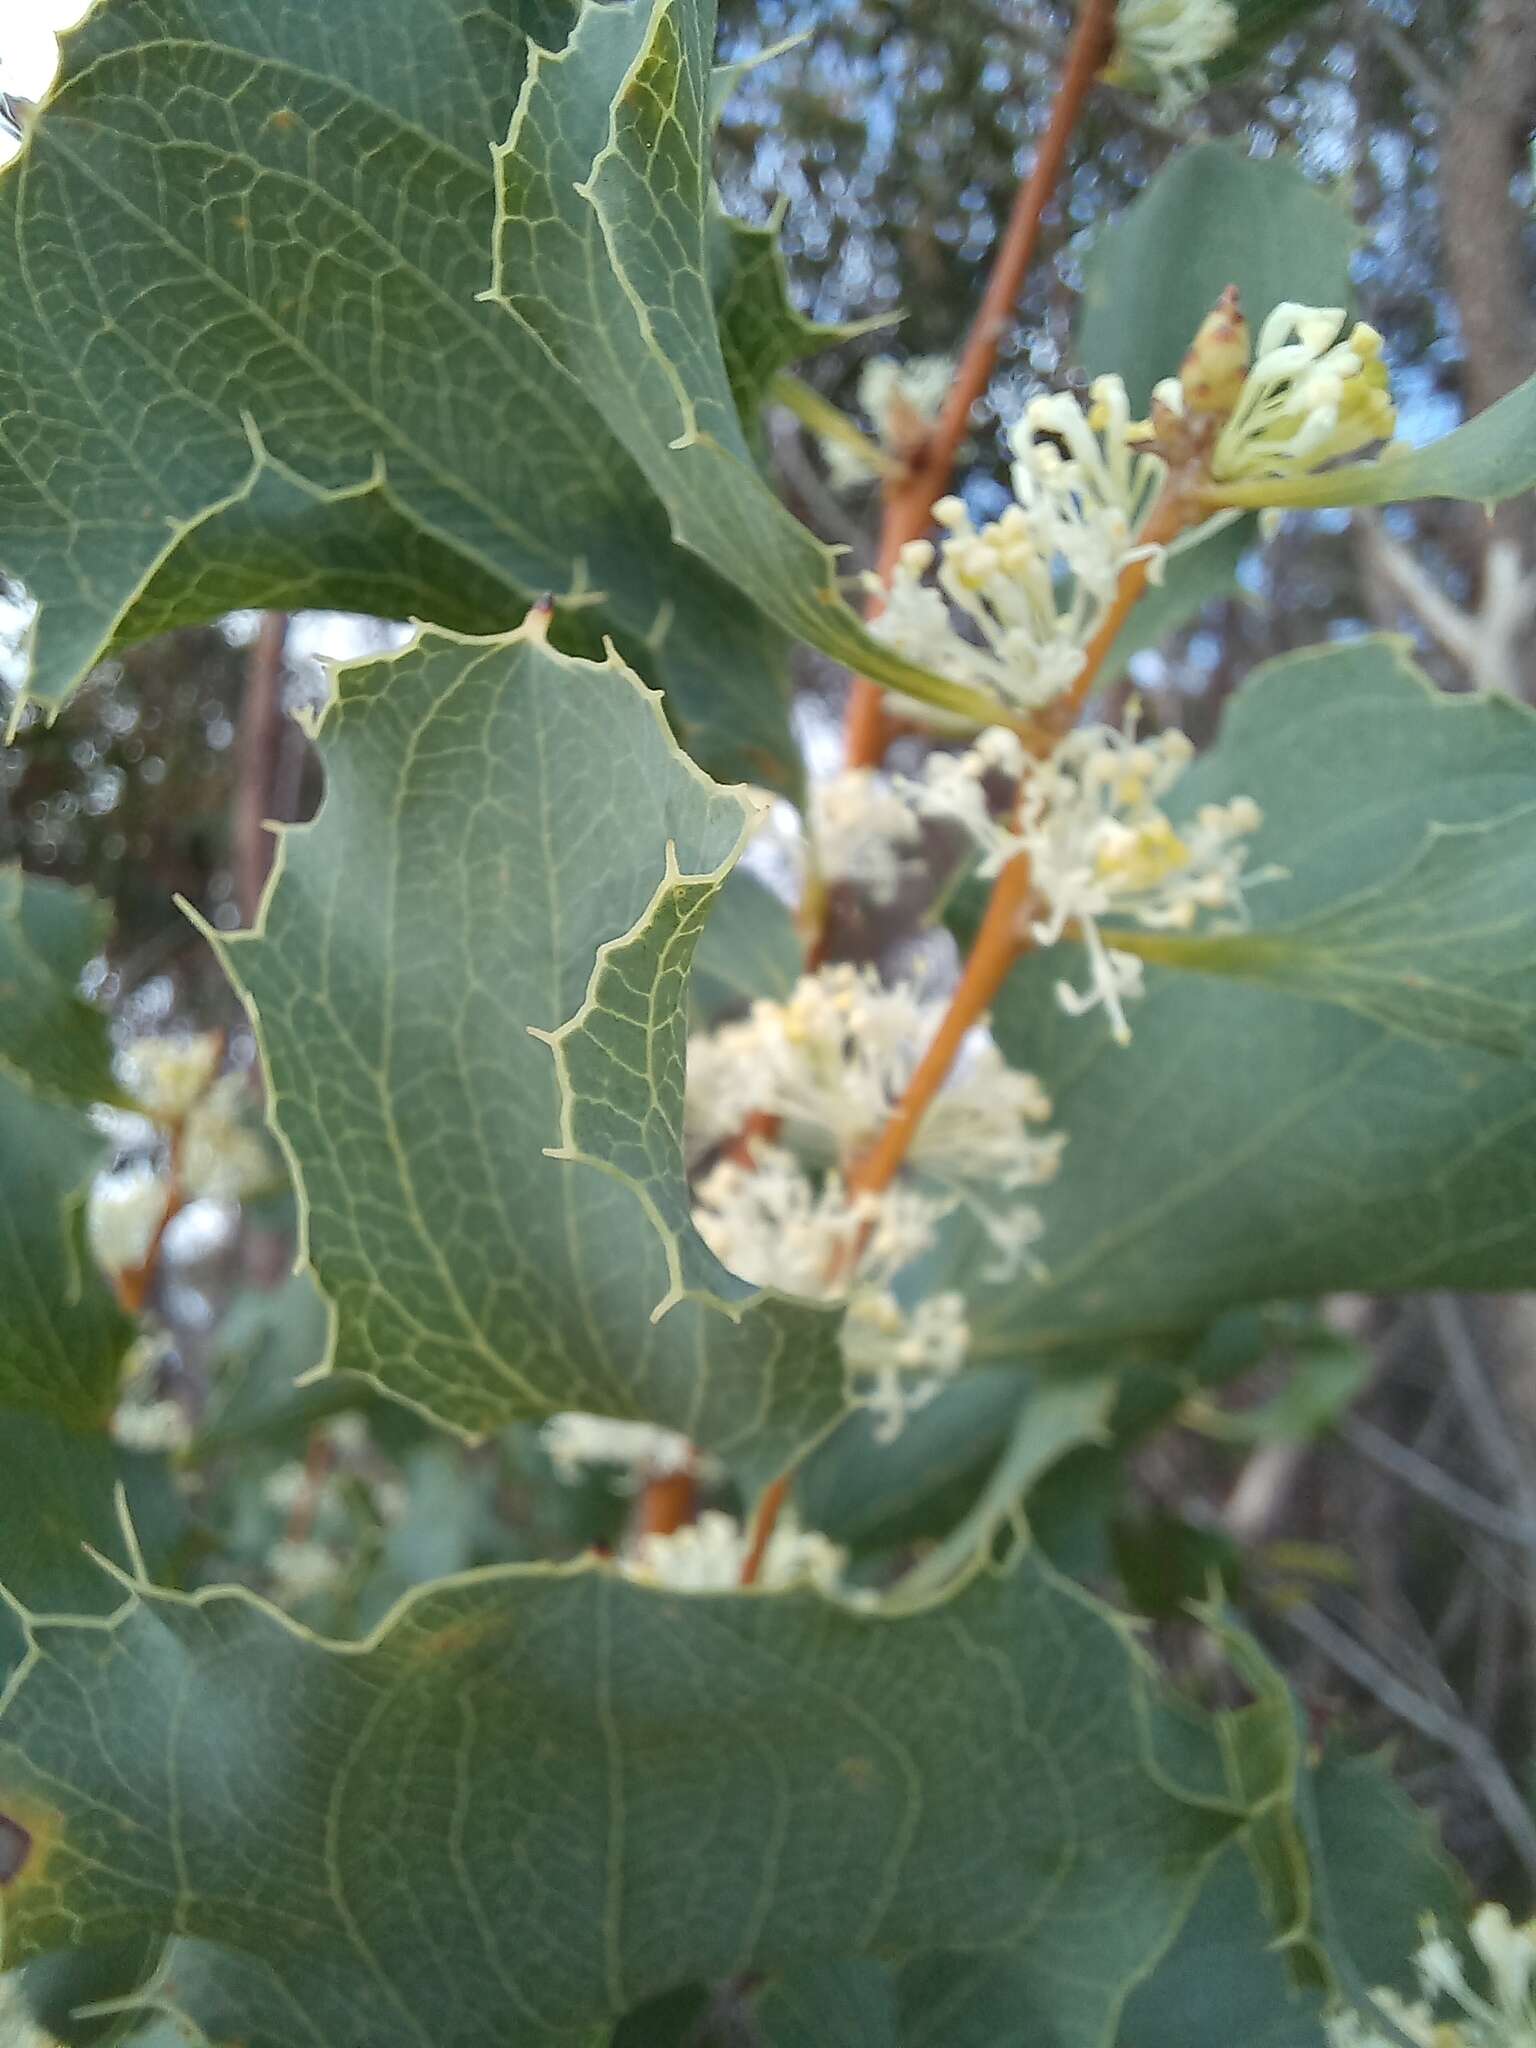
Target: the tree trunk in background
(260, 737)
(1483, 143)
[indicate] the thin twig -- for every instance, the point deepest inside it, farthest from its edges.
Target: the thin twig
(764, 1522)
(1001, 941)
(1427, 1479)
(1478, 1757)
(909, 502)
(1483, 1408)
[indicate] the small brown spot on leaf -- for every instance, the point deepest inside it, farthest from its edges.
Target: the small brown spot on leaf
(859, 1772)
(284, 118)
(15, 1849)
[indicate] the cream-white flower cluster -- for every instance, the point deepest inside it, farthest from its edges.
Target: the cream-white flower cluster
(709, 1555)
(1100, 845)
(1311, 396)
(209, 1150)
(825, 1069)
(303, 1565)
(1171, 41)
(833, 1060)
(902, 402)
(1506, 2019)
(864, 833)
(575, 1441)
(1014, 603)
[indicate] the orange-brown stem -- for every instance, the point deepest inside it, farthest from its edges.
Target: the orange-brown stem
(319, 1457)
(909, 501)
(666, 1503)
(769, 1508)
(1003, 937)
(742, 1149)
(134, 1283)
(1172, 515)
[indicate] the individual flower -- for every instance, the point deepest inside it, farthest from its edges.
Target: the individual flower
(1014, 604)
(166, 1075)
(902, 401)
(708, 1556)
(575, 1441)
(221, 1157)
(897, 1359)
(123, 1216)
(1171, 42)
(1100, 845)
(1506, 2019)
(1309, 398)
(299, 1568)
(865, 834)
(150, 1423)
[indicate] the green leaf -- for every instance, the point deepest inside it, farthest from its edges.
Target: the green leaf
(603, 238)
(59, 1497)
(831, 2005)
(267, 1343)
(1330, 1372)
(537, 1798)
(1248, 1144)
(1212, 217)
(62, 1336)
(1491, 458)
(749, 948)
(50, 1039)
(244, 362)
(1225, 1981)
(761, 331)
(499, 817)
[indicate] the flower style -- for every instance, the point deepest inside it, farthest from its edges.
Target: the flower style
(1507, 1952)
(1034, 584)
(1171, 41)
(902, 401)
(1100, 845)
(864, 833)
(707, 1556)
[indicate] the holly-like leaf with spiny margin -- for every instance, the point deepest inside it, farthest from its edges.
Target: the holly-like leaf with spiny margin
(497, 817)
(244, 362)
(603, 253)
(62, 1335)
(538, 1797)
(1250, 1144)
